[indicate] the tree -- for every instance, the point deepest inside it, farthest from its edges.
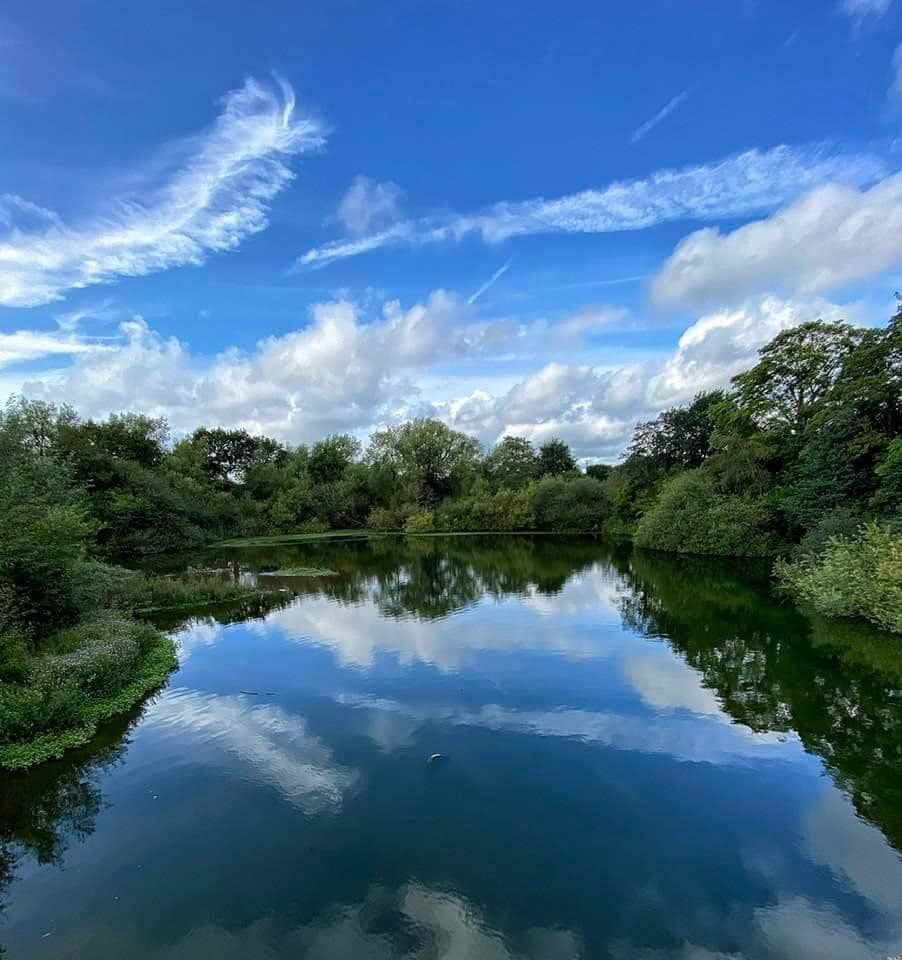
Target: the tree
(679, 437)
(888, 498)
(599, 471)
(555, 459)
(329, 458)
(427, 456)
(512, 464)
(794, 374)
(223, 457)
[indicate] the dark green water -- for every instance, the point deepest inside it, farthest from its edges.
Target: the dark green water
(647, 758)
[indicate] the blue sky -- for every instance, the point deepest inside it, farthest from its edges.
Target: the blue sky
(553, 220)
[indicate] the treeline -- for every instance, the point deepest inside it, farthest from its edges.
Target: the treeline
(806, 447)
(148, 496)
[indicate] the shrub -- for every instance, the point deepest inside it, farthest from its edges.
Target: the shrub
(313, 526)
(842, 522)
(92, 660)
(381, 518)
(857, 576)
(422, 522)
(579, 504)
(691, 516)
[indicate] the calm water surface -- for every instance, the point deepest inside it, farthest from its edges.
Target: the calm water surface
(646, 758)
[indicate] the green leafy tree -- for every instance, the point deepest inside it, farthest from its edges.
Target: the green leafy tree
(512, 464)
(679, 437)
(599, 471)
(579, 504)
(555, 459)
(888, 498)
(429, 459)
(794, 373)
(329, 458)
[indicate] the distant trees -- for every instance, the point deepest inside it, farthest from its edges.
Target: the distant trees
(805, 447)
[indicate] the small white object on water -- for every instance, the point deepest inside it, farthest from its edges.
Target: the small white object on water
(435, 757)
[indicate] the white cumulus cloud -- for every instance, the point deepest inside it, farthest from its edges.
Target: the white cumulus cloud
(218, 195)
(346, 371)
(833, 236)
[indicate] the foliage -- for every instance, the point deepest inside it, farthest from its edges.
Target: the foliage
(428, 459)
(888, 497)
(503, 511)
(421, 522)
(561, 505)
(39, 723)
(513, 464)
(383, 518)
(795, 372)
(857, 576)
(692, 516)
(555, 459)
(680, 437)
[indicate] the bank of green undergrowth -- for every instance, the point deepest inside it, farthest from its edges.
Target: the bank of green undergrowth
(859, 576)
(91, 672)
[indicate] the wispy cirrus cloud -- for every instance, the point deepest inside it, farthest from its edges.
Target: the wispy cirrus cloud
(217, 196)
(860, 10)
(24, 345)
(369, 206)
(665, 111)
(755, 181)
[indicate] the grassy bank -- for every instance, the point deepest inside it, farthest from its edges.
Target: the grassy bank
(57, 688)
(96, 670)
(144, 595)
(284, 538)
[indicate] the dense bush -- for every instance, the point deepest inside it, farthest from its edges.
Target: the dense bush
(857, 576)
(381, 518)
(505, 510)
(692, 516)
(421, 522)
(561, 505)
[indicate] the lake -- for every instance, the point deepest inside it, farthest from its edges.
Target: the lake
(642, 757)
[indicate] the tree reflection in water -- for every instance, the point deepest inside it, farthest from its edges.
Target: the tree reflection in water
(837, 685)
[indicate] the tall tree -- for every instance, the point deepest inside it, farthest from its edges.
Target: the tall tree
(427, 456)
(512, 464)
(555, 459)
(795, 372)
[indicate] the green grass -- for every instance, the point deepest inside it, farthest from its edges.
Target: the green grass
(156, 665)
(286, 538)
(300, 572)
(281, 538)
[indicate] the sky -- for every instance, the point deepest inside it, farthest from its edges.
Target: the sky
(548, 220)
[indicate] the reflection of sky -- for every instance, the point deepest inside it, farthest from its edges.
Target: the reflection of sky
(272, 745)
(570, 624)
(341, 706)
